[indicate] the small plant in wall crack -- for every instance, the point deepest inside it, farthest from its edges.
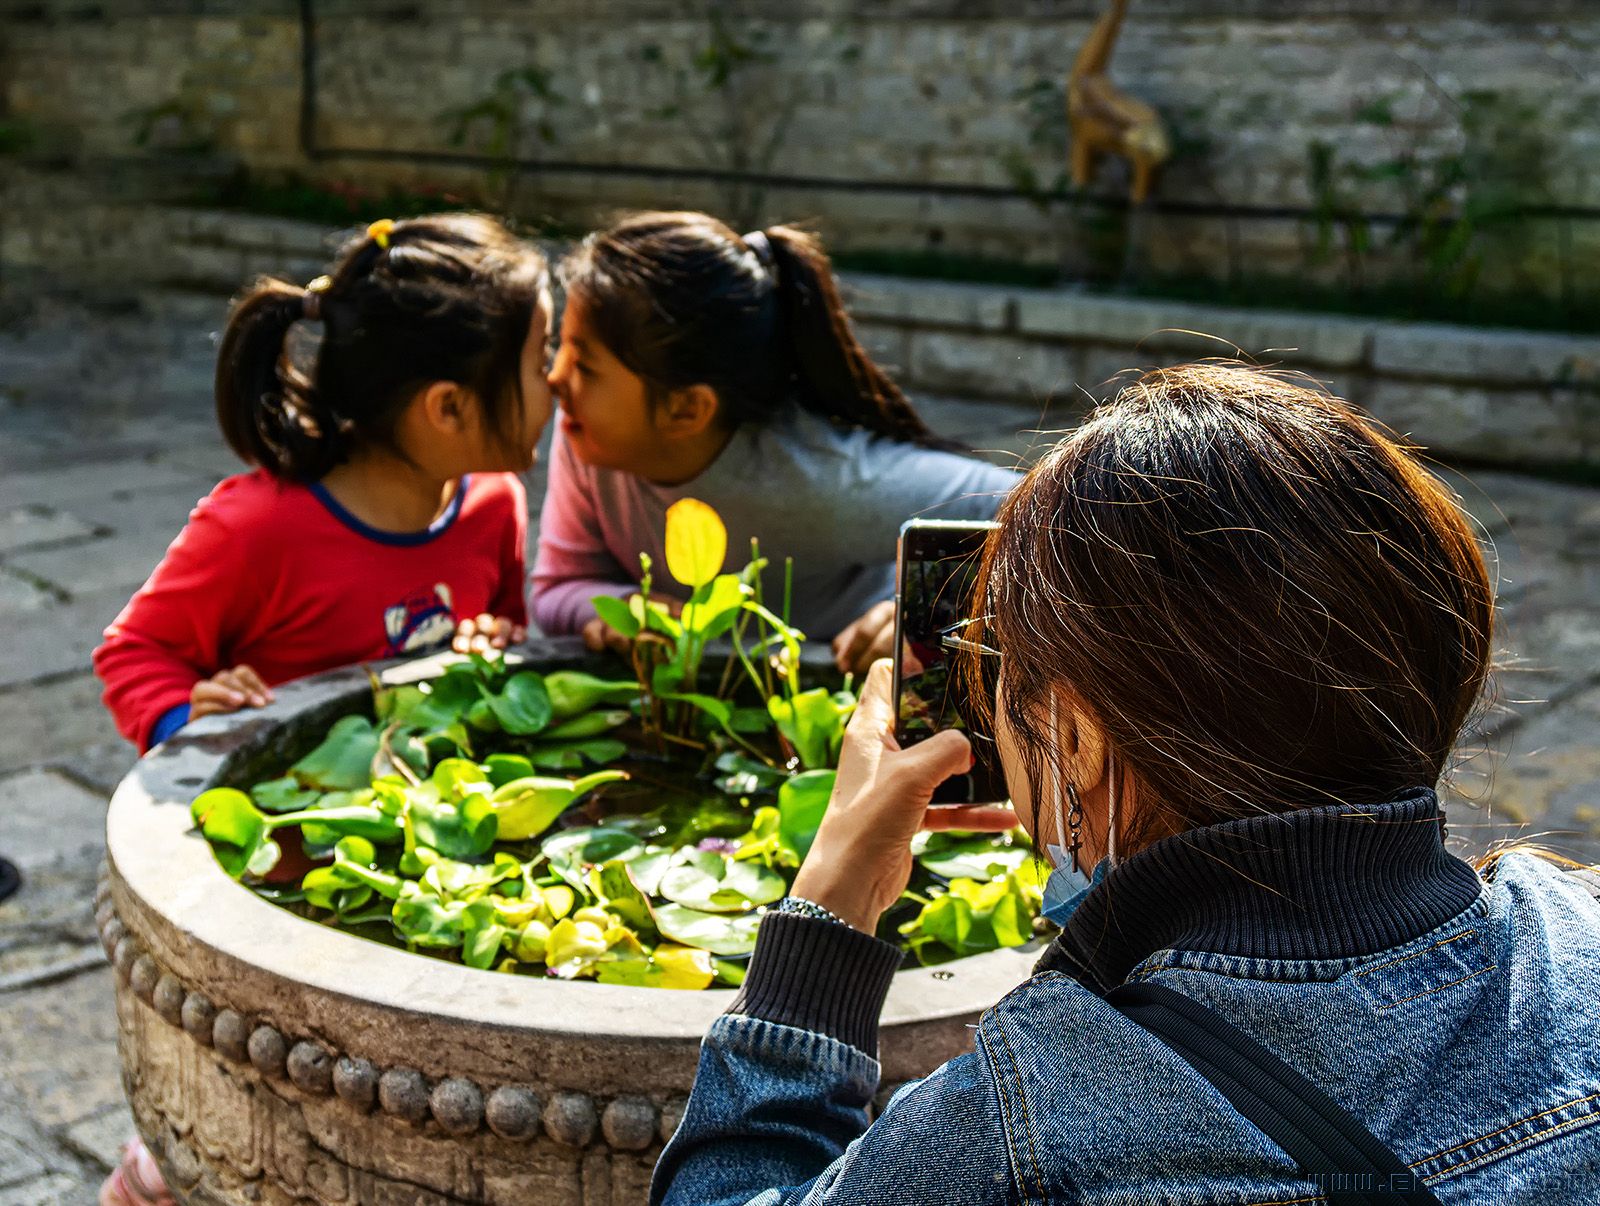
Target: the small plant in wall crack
(735, 95)
(517, 109)
(1459, 176)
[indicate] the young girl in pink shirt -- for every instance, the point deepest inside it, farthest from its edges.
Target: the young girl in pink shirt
(697, 362)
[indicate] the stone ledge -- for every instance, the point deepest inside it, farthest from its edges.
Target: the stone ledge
(1500, 357)
(258, 232)
(1330, 341)
(889, 299)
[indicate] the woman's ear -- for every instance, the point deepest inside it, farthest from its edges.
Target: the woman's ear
(1083, 745)
(687, 412)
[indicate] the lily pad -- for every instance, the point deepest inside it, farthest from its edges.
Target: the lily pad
(667, 967)
(955, 855)
(573, 851)
(612, 882)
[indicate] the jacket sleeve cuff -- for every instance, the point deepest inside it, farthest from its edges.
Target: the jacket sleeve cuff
(819, 976)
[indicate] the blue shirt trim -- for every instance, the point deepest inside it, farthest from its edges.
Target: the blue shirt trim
(169, 723)
(402, 539)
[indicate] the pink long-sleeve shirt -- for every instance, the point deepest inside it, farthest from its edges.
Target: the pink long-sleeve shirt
(831, 498)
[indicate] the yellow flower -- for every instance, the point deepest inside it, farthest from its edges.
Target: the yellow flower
(697, 542)
(380, 230)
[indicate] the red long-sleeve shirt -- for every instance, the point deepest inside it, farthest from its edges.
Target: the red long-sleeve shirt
(281, 578)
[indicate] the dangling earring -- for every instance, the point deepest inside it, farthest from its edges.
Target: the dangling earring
(1074, 825)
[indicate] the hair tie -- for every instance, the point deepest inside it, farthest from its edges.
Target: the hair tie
(379, 232)
(758, 242)
(311, 300)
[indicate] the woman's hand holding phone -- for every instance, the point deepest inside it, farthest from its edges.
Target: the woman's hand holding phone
(861, 859)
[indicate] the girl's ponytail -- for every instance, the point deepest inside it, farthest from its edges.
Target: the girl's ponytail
(834, 374)
(266, 407)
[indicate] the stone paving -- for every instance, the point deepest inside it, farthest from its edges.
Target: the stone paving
(106, 440)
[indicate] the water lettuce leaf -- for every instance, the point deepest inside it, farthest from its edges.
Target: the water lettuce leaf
(343, 760)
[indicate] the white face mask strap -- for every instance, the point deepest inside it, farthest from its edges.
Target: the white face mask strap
(1111, 810)
(1056, 787)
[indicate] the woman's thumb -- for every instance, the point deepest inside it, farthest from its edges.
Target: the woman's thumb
(929, 763)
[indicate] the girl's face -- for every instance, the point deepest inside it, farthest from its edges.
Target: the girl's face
(606, 416)
(515, 452)
(446, 432)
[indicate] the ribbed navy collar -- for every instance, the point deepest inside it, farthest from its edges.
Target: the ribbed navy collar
(1313, 883)
(433, 531)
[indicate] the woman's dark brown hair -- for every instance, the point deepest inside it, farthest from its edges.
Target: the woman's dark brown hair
(442, 298)
(1265, 599)
(681, 300)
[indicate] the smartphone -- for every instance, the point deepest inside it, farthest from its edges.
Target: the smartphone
(935, 577)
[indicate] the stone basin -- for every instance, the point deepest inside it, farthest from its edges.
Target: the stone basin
(273, 1060)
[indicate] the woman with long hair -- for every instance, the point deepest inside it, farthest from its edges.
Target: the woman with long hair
(1239, 630)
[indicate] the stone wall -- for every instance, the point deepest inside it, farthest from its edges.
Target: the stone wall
(892, 123)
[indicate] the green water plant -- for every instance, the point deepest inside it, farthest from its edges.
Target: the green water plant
(630, 831)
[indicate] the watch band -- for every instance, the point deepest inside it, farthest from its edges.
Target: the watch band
(802, 907)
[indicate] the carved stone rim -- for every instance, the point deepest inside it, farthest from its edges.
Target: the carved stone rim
(164, 870)
(457, 1105)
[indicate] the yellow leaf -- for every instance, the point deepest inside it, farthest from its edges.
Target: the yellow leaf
(697, 542)
(683, 967)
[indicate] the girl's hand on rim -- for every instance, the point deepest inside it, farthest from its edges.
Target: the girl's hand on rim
(485, 632)
(228, 691)
(865, 639)
(861, 859)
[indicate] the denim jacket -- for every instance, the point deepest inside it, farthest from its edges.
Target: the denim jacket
(1458, 1017)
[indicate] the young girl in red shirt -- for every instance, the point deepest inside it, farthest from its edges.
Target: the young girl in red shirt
(383, 510)
(383, 515)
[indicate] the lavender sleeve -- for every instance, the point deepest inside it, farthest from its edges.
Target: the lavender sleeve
(573, 564)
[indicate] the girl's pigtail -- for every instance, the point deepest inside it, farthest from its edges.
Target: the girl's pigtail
(835, 375)
(267, 408)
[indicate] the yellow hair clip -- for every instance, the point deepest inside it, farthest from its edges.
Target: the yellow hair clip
(379, 232)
